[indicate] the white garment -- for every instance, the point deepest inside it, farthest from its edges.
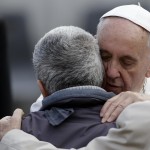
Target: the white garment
(37, 104)
(147, 86)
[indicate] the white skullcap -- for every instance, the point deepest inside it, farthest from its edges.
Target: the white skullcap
(134, 13)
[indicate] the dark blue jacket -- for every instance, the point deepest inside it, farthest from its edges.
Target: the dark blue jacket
(70, 118)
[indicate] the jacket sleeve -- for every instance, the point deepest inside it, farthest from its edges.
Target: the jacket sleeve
(132, 133)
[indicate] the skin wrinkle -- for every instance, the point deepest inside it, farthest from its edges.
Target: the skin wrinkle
(123, 54)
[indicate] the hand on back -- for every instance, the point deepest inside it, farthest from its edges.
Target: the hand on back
(11, 122)
(114, 106)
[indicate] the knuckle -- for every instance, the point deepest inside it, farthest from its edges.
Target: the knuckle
(109, 101)
(121, 106)
(114, 105)
(122, 93)
(114, 115)
(107, 115)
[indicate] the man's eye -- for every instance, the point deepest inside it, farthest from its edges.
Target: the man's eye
(105, 57)
(128, 63)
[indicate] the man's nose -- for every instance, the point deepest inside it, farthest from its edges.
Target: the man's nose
(112, 70)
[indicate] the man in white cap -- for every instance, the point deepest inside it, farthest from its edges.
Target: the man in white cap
(124, 40)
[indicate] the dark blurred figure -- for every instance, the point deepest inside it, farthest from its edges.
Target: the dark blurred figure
(19, 60)
(5, 102)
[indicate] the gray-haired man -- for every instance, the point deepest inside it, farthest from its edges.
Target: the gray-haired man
(69, 70)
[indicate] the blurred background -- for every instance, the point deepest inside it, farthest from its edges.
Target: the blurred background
(22, 24)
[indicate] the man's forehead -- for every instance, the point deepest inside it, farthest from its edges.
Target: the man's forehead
(120, 25)
(113, 28)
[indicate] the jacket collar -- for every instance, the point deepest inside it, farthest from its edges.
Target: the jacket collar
(75, 93)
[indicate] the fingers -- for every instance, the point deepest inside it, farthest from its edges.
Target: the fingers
(16, 118)
(18, 113)
(4, 125)
(107, 105)
(114, 106)
(5, 118)
(10, 122)
(111, 109)
(111, 116)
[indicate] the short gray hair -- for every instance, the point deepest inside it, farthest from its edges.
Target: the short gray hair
(67, 56)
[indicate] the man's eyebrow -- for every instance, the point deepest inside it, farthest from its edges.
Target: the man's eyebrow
(103, 50)
(129, 58)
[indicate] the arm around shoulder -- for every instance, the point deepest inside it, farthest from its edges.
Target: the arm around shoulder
(133, 133)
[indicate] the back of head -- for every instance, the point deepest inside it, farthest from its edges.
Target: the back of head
(67, 56)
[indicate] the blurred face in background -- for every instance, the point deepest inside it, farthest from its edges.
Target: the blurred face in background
(125, 52)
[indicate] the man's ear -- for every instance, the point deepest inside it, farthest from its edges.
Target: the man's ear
(42, 88)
